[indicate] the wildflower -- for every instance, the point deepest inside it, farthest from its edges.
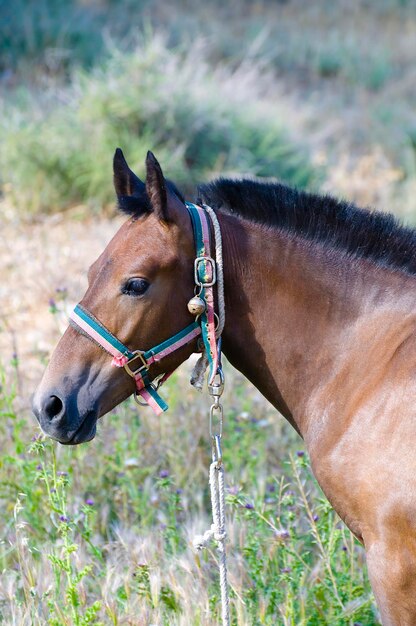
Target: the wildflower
(282, 534)
(233, 490)
(315, 518)
(164, 474)
(249, 506)
(286, 570)
(89, 502)
(52, 305)
(63, 518)
(300, 453)
(39, 467)
(62, 473)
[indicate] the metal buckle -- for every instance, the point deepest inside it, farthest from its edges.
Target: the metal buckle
(138, 355)
(210, 261)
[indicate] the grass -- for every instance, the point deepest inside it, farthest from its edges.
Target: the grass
(102, 533)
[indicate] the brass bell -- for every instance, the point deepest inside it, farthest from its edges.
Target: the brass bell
(196, 305)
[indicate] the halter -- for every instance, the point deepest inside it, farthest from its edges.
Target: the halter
(137, 362)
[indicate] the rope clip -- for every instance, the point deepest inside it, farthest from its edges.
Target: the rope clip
(216, 387)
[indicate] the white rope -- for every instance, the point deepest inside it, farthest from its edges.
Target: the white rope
(198, 373)
(217, 532)
(220, 269)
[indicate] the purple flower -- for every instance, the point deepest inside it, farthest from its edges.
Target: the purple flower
(52, 303)
(344, 549)
(62, 473)
(282, 534)
(300, 453)
(315, 518)
(179, 491)
(233, 490)
(249, 506)
(63, 518)
(164, 474)
(286, 570)
(39, 467)
(89, 502)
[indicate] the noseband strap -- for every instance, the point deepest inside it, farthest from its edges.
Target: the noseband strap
(137, 362)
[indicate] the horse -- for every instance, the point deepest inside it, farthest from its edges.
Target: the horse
(320, 300)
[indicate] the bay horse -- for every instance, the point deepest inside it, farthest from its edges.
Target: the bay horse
(320, 301)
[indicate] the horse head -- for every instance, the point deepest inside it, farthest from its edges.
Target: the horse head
(138, 290)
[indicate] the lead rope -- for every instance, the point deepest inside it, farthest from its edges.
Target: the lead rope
(216, 470)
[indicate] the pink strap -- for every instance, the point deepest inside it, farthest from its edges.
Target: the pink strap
(96, 336)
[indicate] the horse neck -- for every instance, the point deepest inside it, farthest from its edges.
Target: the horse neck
(294, 313)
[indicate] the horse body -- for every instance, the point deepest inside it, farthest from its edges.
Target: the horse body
(334, 350)
(328, 337)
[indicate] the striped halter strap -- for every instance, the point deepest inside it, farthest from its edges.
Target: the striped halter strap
(137, 362)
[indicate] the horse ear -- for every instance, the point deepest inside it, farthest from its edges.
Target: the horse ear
(126, 183)
(156, 187)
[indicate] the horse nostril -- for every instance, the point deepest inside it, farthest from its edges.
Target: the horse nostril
(54, 407)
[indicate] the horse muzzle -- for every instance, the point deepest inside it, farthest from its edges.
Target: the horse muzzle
(61, 419)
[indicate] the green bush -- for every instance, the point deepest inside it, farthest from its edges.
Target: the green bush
(56, 150)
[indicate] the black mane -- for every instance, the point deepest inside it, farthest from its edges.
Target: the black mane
(339, 225)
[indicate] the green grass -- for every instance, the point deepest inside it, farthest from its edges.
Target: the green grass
(102, 533)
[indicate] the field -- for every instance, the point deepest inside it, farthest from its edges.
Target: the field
(320, 95)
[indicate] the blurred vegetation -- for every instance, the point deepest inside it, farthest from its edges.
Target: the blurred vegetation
(79, 77)
(57, 150)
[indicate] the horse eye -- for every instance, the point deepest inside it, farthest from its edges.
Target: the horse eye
(135, 287)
